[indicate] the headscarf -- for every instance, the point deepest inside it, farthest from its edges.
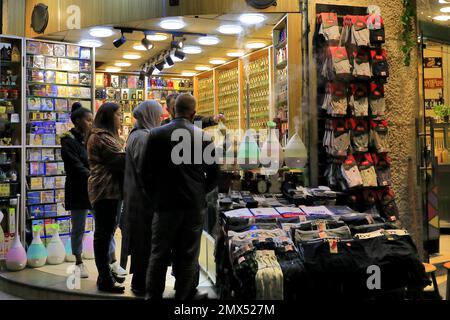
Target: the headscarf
(148, 115)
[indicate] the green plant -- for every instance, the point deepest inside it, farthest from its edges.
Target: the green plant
(441, 110)
(409, 11)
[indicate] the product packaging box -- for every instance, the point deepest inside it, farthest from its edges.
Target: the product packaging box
(36, 183)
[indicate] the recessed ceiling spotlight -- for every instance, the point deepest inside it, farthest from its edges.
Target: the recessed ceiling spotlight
(230, 29)
(188, 73)
(157, 37)
(113, 69)
(252, 18)
(147, 44)
(172, 24)
(217, 61)
(441, 18)
(131, 56)
(101, 32)
(208, 40)
(139, 47)
(119, 42)
(445, 9)
(90, 43)
(122, 64)
(192, 50)
(236, 54)
(202, 68)
(255, 45)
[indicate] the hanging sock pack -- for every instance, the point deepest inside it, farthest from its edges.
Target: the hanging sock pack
(379, 135)
(329, 27)
(383, 169)
(359, 100)
(335, 101)
(380, 67)
(375, 24)
(376, 99)
(350, 172)
(367, 170)
(361, 65)
(360, 34)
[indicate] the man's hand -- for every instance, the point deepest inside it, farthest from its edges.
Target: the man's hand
(220, 117)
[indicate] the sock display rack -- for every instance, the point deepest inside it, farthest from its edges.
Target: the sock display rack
(352, 70)
(40, 80)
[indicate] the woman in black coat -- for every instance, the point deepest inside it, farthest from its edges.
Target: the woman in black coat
(138, 215)
(76, 165)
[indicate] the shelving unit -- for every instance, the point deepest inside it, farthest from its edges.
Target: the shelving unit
(228, 93)
(58, 75)
(204, 91)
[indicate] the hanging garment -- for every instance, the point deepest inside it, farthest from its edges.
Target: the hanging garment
(329, 27)
(360, 34)
(350, 172)
(379, 135)
(380, 67)
(367, 171)
(376, 99)
(360, 135)
(361, 65)
(359, 101)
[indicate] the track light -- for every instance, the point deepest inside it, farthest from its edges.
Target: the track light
(177, 44)
(119, 42)
(147, 44)
(160, 64)
(150, 70)
(169, 60)
(142, 76)
(180, 54)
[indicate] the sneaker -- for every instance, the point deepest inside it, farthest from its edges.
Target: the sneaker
(118, 270)
(84, 273)
(111, 288)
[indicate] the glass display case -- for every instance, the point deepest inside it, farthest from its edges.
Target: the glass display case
(228, 94)
(205, 95)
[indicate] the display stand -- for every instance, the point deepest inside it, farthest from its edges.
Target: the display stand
(58, 75)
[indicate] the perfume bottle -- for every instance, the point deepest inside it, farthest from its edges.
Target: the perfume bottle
(248, 153)
(296, 154)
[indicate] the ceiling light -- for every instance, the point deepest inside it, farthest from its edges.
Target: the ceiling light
(139, 47)
(113, 69)
(178, 55)
(90, 43)
(445, 9)
(208, 40)
(101, 32)
(217, 61)
(444, 1)
(122, 64)
(177, 44)
(119, 42)
(131, 56)
(160, 64)
(157, 37)
(230, 29)
(255, 45)
(147, 44)
(252, 18)
(150, 70)
(441, 18)
(236, 54)
(202, 68)
(172, 24)
(188, 74)
(167, 66)
(169, 60)
(192, 50)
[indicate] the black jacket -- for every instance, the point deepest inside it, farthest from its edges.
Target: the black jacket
(171, 186)
(76, 165)
(206, 121)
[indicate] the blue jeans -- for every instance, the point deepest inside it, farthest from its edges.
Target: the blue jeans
(79, 229)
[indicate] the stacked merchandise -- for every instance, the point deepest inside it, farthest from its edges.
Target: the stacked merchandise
(57, 76)
(126, 90)
(353, 69)
(284, 252)
(228, 98)
(258, 81)
(206, 96)
(159, 88)
(10, 91)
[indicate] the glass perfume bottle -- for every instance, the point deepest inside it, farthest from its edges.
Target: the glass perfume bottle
(248, 153)
(37, 254)
(55, 249)
(271, 152)
(296, 155)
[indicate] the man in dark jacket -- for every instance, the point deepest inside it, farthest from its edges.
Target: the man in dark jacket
(178, 175)
(206, 121)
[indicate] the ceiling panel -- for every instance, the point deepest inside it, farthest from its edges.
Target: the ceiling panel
(108, 54)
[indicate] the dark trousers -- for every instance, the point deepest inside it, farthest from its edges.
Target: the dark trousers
(105, 226)
(176, 235)
(140, 248)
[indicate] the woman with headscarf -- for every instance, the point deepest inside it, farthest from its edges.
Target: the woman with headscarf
(137, 218)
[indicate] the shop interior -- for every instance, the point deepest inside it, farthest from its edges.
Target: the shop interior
(245, 67)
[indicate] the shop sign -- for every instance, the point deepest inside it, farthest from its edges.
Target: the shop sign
(430, 103)
(432, 62)
(434, 83)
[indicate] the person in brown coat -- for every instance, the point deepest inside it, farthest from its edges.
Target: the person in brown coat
(107, 163)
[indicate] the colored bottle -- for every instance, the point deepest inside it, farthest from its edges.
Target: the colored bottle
(68, 247)
(248, 153)
(16, 259)
(88, 246)
(271, 152)
(55, 249)
(37, 254)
